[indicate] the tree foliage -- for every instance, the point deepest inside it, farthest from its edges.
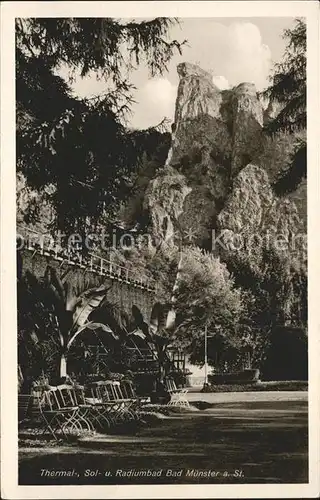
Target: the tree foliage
(206, 295)
(290, 179)
(104, 45)
(288, 88)
(82, 146)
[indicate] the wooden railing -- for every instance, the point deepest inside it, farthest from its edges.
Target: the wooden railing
(46, 245)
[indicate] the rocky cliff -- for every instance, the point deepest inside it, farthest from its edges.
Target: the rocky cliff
(213, 122)
(215, 135)
(262, 236)
(254, 218)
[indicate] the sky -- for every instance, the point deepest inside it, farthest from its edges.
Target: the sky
(234, 50)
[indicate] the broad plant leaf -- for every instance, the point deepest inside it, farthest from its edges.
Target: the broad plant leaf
(91, 325)
(139, 321)
(87, 303)
(157, 319)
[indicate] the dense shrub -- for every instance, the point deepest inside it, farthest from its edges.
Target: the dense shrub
(242, 377)
(287, 356)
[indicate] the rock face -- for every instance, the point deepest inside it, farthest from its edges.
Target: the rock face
(254, 220)
(234, 117)
(265, 234)
(164, 201)
(247, 114)
(197, 95)
(215, 134)
(245, 208)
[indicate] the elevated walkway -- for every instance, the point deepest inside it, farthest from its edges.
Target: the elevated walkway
(45, 245)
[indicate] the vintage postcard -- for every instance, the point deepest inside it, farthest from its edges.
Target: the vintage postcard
(159, 237)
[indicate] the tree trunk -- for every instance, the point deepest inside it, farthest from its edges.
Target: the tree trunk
(161, 372)
(161, 360)
(63, 365)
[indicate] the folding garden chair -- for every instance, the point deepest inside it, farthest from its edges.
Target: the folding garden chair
(129, 392)
(178, 395)
(55, 416)
(86, 412)
(110, 393)
(66, 397)
(101, 410)
(25, 403)
(126, 404)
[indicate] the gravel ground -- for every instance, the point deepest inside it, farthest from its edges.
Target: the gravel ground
(250, 441)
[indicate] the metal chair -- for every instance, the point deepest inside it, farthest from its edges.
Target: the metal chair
(101, 410)
(86, 411)
(178, 395)
(126, 404)
(129, 391)
(25, 403)
(55, 417)
(67, 400)
(110, 393)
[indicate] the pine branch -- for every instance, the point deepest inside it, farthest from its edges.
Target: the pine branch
(295, 173)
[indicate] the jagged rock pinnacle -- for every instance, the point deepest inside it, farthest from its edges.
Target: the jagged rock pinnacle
(215, 134)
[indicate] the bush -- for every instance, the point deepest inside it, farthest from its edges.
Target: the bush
(145, 383)
(280, 385)
(179, 378)
(242, 377)
(287, 356)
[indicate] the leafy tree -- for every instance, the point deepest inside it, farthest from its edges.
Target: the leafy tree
(132, 211)
(162, 266)
(288, 89)
(290, 179)
(193, 289)
(206, 295)
(97, 44)
(289, 82)
(287, 355)
(81, 146)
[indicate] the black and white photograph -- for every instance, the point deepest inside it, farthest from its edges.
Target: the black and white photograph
(162, 332)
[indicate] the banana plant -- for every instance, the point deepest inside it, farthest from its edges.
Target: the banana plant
(163, 322)
(72, 309)
(157, 330)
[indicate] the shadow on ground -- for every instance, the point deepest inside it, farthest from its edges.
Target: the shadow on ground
(239, 443)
